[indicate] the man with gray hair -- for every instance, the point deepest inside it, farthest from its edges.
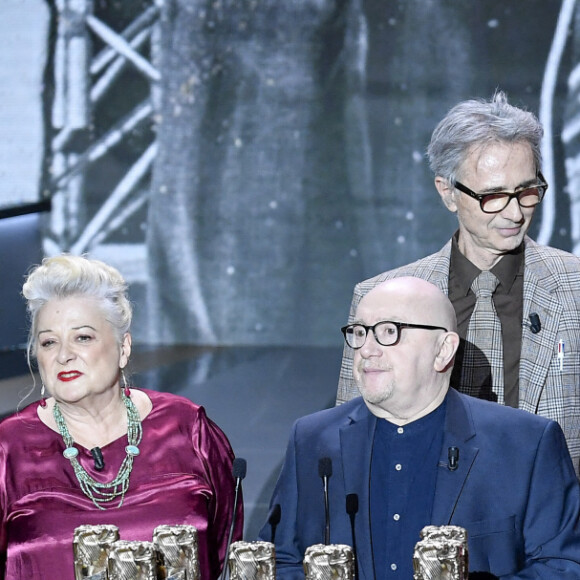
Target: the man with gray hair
(517, 302)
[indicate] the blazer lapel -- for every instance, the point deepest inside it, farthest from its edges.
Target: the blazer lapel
(449, 485)
(537, 349)
(356, 440)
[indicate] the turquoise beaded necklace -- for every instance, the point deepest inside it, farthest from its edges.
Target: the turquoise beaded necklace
(102, 494)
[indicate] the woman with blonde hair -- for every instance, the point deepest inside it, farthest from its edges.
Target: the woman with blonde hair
(94, 450)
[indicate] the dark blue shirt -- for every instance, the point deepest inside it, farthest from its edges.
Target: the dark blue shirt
(403, 474)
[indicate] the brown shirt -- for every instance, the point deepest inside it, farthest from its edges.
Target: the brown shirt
(508, 301)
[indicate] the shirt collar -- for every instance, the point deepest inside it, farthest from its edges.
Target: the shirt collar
(465, 272)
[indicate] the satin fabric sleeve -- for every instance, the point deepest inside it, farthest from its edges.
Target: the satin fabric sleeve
(212, 446)
(3, 511)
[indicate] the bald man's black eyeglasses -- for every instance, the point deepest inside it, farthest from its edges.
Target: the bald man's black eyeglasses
(387, 332)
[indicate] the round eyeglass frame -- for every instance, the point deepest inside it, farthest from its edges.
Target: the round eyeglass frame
(509, 195)
(398, 325)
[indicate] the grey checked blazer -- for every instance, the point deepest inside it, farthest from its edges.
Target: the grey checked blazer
(552, 290)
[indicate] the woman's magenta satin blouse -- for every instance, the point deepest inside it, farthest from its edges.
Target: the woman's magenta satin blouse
(183, 475)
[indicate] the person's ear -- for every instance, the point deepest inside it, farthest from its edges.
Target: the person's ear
(447, 193)
(125, 350)
(447, 348)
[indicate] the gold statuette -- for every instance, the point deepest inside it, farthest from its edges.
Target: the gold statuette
(177, 552)
(441, 554)
(132, 561)
(252, 561)
(329, 562)
(91, 546)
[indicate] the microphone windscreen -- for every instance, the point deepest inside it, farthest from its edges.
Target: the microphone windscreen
(98, 458)
(351, 504)
(239, 468)
(535, 322)
(325, 467)
(275, 515)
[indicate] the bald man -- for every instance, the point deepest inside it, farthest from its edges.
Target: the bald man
(417, 452)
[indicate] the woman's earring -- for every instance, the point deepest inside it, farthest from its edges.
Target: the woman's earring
(42, 401)
(126, 390)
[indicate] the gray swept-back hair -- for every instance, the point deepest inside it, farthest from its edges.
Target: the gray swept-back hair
(479, 123)
(66, 276)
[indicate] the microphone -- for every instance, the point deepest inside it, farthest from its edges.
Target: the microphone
(352, 510)
(98, 458)
(325, 471)
(239, 472)
(453, 458)
(535, 323)
(274, 519)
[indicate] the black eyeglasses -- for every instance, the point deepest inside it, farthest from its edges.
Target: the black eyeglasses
(497, 201)
(387, 332)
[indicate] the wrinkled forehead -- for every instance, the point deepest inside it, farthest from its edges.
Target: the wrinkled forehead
(499, 156)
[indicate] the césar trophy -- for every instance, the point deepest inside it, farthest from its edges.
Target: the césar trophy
(252, 561)
(441, 554)
(91, 545)
(329, 562)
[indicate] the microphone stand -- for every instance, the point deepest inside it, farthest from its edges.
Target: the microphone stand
(325, 471)
(352, 510)
(239, 472)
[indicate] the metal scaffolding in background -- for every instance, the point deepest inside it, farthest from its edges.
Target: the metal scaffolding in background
(90, 62)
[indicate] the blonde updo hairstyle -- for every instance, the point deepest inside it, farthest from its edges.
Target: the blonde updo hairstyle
(68, 276)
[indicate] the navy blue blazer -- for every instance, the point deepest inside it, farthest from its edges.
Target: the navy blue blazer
(514, 491)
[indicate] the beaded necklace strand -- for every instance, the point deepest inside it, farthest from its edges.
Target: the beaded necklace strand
(103, 493)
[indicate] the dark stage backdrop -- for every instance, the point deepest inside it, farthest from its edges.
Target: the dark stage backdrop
(248, 161)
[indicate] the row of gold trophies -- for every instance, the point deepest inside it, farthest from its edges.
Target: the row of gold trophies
(99, 554)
